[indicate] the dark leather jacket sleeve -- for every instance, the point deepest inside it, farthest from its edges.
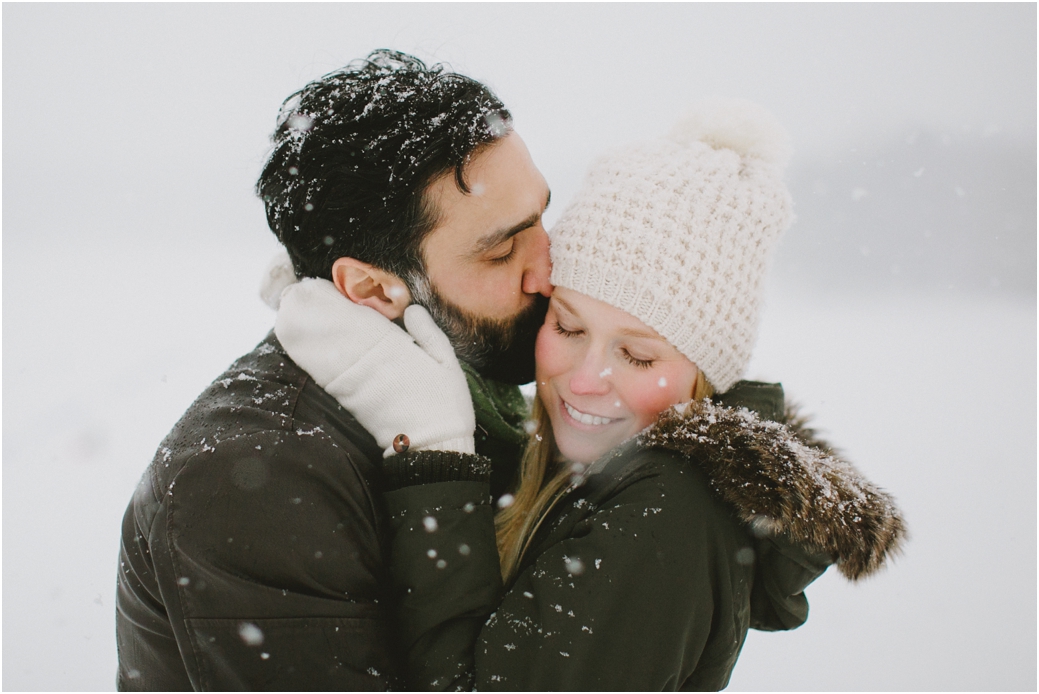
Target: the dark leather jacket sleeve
(256, 561)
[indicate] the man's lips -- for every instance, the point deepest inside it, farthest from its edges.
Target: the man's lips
(576, 416)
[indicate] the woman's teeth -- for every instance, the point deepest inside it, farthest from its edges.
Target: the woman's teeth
(586, 418)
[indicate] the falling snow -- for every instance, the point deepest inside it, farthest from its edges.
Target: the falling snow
(745, 556)
(250, 634)
(899, 438)
(574, 566)
(300, 122)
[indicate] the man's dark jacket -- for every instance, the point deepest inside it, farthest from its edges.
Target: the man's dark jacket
(251, 555)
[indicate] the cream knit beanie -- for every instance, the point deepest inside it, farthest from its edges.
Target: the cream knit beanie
(679, 232)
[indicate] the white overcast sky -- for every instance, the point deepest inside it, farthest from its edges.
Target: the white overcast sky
(115, 111)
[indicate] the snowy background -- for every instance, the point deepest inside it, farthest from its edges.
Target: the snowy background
(902, 308)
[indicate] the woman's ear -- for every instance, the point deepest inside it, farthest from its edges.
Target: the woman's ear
(369, 286)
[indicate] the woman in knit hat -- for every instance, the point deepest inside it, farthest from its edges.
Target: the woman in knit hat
(663, 506)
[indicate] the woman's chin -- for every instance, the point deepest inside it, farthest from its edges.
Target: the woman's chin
(581, 457)
(578, 449)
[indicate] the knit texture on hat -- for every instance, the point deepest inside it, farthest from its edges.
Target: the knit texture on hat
(679, 232)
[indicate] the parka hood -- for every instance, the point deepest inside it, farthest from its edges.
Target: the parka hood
(782, 479)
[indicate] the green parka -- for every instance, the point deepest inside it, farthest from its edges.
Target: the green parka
(643, 576)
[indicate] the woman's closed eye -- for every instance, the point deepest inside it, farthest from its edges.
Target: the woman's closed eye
(564, 332)
(635, 361)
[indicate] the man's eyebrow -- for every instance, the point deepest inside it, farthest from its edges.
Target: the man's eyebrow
(502, 235)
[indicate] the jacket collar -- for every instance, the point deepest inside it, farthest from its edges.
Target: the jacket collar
(782, 479)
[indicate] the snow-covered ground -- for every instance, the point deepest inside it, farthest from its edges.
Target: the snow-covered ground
(133, 245)
(934, 397)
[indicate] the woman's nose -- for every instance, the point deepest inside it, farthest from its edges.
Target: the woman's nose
(590, 378)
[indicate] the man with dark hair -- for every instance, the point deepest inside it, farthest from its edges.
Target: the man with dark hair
(369, 161)
(253, 553)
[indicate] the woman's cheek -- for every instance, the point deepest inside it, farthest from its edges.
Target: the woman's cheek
(548, 353)
(655, 391)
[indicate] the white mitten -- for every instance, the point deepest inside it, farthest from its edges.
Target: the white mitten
(278, 275)
(376, 370)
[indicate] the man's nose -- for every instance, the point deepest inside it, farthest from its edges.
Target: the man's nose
(591, 377)
(539, 267)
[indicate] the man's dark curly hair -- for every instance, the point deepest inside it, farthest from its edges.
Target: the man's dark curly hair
(355, 151)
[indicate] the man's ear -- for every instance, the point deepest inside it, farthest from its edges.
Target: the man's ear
(369, 286)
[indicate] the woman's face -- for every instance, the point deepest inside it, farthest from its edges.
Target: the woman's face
(604, 375)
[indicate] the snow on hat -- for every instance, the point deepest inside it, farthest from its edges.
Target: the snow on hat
(679, 232)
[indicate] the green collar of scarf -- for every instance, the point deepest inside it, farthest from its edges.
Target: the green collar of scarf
(500, 408)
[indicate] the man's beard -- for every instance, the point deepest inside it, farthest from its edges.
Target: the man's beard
(499, 349)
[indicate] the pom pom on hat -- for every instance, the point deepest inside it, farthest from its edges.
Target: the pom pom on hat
(679, 232)
(737, 124)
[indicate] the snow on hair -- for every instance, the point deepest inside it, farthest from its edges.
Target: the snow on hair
(737, 124)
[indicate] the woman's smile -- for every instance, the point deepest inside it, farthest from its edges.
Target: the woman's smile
(576, 417)
(604, 375)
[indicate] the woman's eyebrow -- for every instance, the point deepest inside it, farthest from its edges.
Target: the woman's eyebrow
(631, 332)
(627, 331)
(566, 307)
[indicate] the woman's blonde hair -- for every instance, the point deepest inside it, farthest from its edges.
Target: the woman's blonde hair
(515, 525)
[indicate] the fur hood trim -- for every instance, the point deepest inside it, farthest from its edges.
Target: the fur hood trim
(782, 479)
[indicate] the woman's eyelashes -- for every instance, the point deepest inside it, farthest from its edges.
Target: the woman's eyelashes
(566, 333)
(637, 362)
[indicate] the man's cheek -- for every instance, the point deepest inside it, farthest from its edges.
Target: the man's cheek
(490, 296)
